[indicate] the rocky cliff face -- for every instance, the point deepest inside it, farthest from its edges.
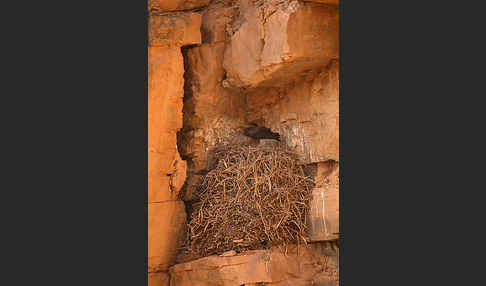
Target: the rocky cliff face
(216, 66)
(166, 169)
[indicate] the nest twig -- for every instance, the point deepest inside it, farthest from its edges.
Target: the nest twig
(254, 198)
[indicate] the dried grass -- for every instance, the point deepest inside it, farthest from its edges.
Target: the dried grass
(255, 197)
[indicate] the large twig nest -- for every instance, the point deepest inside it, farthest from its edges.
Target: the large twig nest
(254, 198)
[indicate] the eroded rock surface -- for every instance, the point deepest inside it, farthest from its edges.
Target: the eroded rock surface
(331, 2)
(274, 41)
(324, 208)
(158, 279)
(166, 227)
(175, 29)
(315, 264)
(166, 169)
(176, 5)
(306, 113)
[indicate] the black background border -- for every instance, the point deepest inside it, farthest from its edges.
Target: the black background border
(74, 110)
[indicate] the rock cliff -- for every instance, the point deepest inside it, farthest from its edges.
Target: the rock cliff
(215, 67)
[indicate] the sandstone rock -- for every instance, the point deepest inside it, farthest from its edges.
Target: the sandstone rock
(324, 207)
(305, 114)
(173, 5)
(228, 253)
(158, 279)
(242, 56)
(175, 29)
(274, 42)
(323, 171)
(166, 227)
(214, 22)
(164, 183)
(312, 264)
(166, 170)
(330, 2)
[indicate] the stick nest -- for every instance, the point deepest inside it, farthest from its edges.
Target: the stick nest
(255, 197)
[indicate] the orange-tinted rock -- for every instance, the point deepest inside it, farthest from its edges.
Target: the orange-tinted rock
(306, 114)
(324, 169)
(314, 263)
(211, 113)
(175, 29)
(243, 54)
(173, 5)
(165, 93)
(166, 170)
(330, 2)
(324, 207)
(158, 279)
(213, 28)
(274, 43)
(166, 227)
